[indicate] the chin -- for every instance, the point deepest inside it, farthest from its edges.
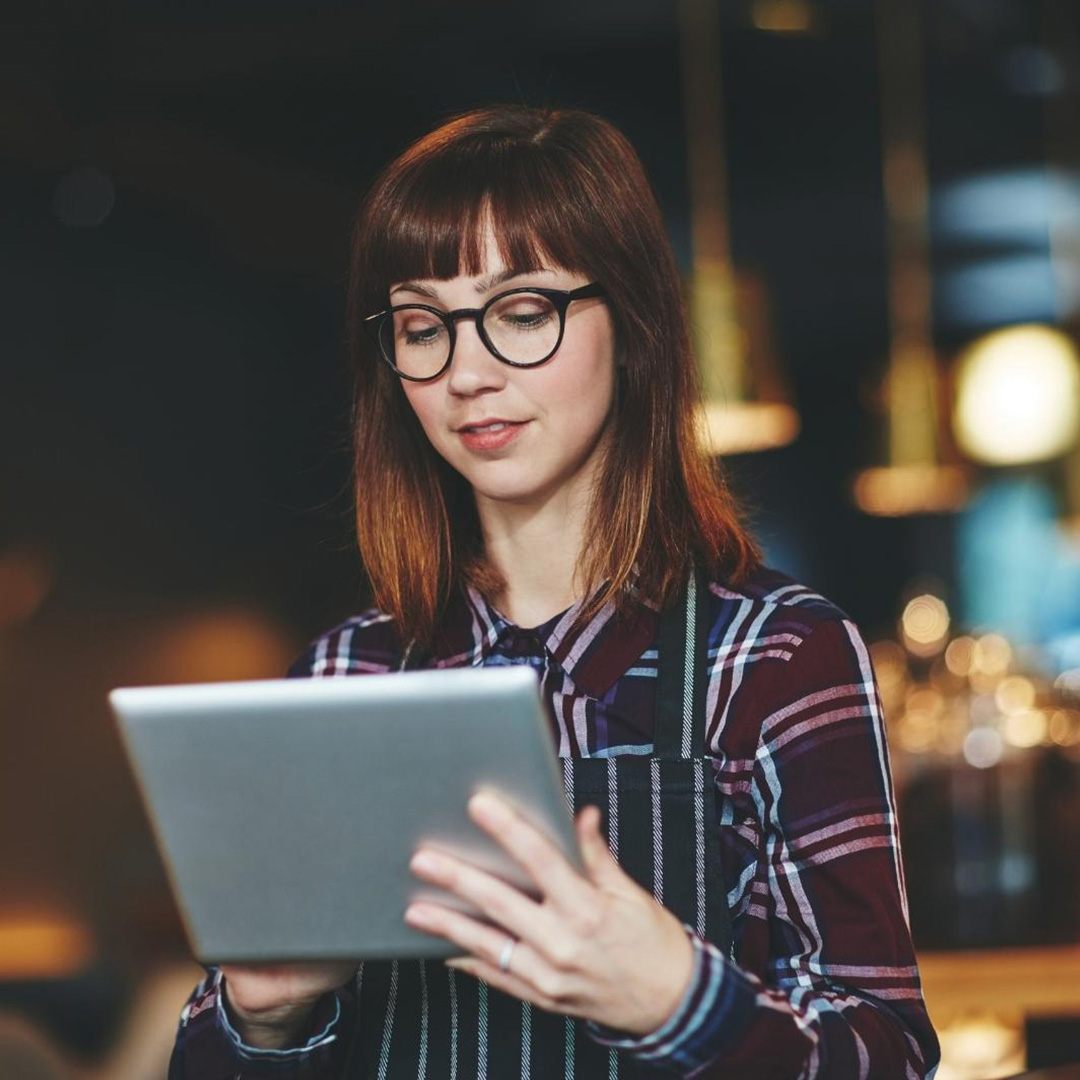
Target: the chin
(508, 483)
(508, 492)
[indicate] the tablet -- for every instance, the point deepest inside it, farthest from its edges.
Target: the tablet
(286, 810)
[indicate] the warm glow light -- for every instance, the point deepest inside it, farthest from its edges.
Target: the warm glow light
(217, 646)
(926, 699)
(890, 663)
(1025, 729)
(1018, 396)
(944, 679)
(919, 728)
(39, 947)
(960, 655)
(916, 732)
(952, 730)
(745, 427)
(1015, 695)
(900, 490)
(782, 16)
(1065, 727)
(992, 655)
(981, 1047)
(925, 624)
(25, 580)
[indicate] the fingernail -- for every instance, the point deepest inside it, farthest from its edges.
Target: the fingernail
(483, 805)
(424, 863)
(416, 916)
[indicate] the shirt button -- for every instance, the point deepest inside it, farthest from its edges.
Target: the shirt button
(522, 643)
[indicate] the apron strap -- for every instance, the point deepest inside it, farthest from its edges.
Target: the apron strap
(413, 659)
(682, 674)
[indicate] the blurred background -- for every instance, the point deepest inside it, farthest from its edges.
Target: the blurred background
(876, 204)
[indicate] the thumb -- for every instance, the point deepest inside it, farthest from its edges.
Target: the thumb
(599, 862)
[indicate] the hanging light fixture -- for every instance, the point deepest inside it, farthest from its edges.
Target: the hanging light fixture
(913, 475)
(747, 404)
(1063, 157)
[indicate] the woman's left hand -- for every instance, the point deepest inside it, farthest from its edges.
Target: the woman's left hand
(596, 946)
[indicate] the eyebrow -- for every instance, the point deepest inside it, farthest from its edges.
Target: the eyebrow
(482, 286)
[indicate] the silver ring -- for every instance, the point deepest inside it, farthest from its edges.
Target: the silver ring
(507, 952)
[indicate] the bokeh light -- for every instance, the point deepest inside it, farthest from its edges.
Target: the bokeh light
(1015, 694)
(1018, 396)
(924, 625)
(1025, 729)
(983, 747)
(960, 655)
(992, 655)
(25, 579)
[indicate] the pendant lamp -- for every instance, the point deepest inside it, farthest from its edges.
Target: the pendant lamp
(746, 401)
(1063, 153)
(913, 473)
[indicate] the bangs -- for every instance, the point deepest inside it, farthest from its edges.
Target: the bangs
(431, 222)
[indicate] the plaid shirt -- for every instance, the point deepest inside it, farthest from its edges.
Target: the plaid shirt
(824, 981)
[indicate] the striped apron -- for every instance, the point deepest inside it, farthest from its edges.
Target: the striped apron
(421, 1020)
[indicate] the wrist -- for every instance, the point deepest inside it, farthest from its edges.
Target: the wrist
(672, 997)
(275, 1028)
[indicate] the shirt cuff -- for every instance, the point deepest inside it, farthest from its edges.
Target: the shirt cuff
(717, 1005)
(323, 1029)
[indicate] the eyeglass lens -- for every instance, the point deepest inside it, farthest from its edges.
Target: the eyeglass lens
(522, 327)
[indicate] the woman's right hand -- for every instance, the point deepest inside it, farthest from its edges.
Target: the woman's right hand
(270, 1004)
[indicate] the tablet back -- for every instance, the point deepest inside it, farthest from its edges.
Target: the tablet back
(286, 810)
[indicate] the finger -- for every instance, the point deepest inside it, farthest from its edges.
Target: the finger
(500, 902)
(531, 849)
(600, 864)
(483, 943)
(508, 983)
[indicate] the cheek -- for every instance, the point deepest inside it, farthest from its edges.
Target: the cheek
(425, 403)
(580, 386)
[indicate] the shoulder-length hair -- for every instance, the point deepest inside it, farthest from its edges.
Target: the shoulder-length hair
(560, 187)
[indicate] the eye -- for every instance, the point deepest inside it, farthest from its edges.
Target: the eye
(417, 328)
(521, 312)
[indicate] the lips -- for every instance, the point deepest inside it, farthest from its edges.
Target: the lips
(488, 423)
(491, 434)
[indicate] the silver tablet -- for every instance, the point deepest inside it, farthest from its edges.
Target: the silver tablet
(286, 810)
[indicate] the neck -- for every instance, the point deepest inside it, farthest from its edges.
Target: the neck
(536, 546)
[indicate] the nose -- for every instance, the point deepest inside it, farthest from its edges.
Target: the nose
(473, 369)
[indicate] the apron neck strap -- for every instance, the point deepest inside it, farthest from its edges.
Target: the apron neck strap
(682, 674)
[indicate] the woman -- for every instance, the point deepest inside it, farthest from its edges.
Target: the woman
(529, 490)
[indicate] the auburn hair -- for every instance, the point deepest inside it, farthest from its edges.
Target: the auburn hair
(562, 188)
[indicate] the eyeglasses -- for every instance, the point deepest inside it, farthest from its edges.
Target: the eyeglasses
(520, 327)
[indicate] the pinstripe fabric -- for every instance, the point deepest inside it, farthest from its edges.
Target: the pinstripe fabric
(779, 821)
(388, 1021)
(482, 1032)
(421, 1071)
(526, 1041)
(453, 1023)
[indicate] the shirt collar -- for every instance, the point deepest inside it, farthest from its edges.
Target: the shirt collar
(594, 657)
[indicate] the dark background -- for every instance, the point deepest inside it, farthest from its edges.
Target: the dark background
(173, 399)
(177, 183)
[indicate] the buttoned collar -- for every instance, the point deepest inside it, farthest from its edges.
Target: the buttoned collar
(593, 657)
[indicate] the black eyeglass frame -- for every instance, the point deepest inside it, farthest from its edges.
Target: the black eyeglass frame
(561, 299)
